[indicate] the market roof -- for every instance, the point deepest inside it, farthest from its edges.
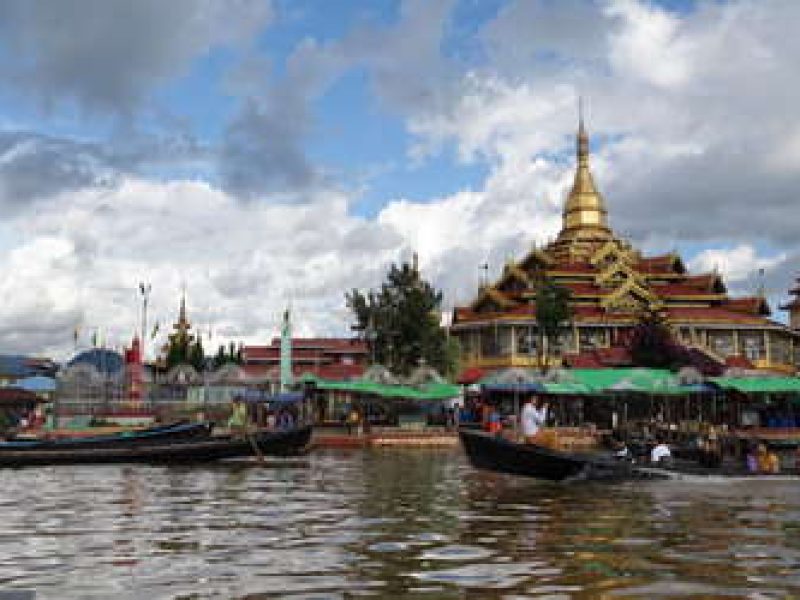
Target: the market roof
(430, 391)
(755, 385)
(37, 383)
(598, 381)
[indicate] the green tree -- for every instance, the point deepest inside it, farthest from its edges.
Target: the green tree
(177, 352)
(452, 358)
(400, 322)
(197, 357)
(231, 354)
(553, 313)
(220, 358)
(185, 349)
(653, 345)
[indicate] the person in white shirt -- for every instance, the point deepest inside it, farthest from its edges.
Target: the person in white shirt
(660, 452)
(533, 418)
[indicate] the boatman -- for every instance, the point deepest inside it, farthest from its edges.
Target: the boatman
(533, 419)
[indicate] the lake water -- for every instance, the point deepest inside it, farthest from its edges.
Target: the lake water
(388, 524)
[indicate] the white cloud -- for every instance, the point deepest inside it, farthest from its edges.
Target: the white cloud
(647, 44)
(83, 254)
(735, 264)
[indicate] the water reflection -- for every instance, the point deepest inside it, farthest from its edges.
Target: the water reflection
(389, 524)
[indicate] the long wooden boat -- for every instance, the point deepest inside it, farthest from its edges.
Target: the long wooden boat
(269, 443)
(494, 453)
(161, 433)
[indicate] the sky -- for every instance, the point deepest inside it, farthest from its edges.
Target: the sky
(269, 153)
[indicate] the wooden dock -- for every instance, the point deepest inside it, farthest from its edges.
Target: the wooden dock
(387, 438)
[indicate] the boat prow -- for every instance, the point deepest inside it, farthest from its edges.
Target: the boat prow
(495, 453)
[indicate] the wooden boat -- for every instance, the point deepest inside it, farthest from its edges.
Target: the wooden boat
(495, 453)
(161, 433)
(187, 450)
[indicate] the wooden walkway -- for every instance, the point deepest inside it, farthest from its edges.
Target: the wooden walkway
(386, 438)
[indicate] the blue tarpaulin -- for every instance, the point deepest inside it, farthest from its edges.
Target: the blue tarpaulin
(257, 396)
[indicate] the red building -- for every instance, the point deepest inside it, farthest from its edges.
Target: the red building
(134, 371)
(326, 358)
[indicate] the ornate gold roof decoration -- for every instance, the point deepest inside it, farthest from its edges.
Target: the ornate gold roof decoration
(585, 207)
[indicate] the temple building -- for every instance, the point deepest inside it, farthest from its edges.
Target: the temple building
(611, 285)
(325, 358)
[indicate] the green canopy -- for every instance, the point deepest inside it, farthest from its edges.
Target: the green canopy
(430, 391)
(755, 385)
(566, 388)
(649, 381)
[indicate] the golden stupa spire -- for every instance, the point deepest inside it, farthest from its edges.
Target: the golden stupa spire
(585, 208)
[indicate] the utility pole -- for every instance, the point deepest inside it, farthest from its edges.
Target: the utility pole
(144, 289)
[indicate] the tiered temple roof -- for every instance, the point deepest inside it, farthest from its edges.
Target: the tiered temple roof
(610, 281)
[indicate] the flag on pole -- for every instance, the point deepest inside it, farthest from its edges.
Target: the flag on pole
(155, 331)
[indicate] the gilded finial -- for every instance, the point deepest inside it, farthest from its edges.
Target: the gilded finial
(584, 212)
(583, 139)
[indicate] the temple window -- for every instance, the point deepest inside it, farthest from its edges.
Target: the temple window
(526, 338)
(751, 345)
(489, 343)
(721, 342)
(565, 342)
(780, 349)
(496, 342)
(505, 341)
(590, 338)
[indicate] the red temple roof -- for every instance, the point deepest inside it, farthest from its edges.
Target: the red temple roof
(754, 305)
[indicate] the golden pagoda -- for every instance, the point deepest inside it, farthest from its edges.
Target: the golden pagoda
(182, 326)
(611, 285)
(180, 341)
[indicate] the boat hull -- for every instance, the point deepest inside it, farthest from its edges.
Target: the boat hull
(162, 433)
(494, 453)
(272, 443)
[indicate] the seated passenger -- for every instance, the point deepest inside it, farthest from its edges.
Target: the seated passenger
(752, 460)
(660, 452)
(622, 452)
(768, 462)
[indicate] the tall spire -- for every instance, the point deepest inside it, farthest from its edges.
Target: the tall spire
(585, 209)
(182, 326)
(583, 139)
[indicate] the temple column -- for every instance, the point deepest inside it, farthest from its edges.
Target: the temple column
(736, 343)
(576, 338)
(767, 353)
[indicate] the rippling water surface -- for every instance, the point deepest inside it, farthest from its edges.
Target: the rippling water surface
(388, 524)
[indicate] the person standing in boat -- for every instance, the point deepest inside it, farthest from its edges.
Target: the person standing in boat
(533, 418)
